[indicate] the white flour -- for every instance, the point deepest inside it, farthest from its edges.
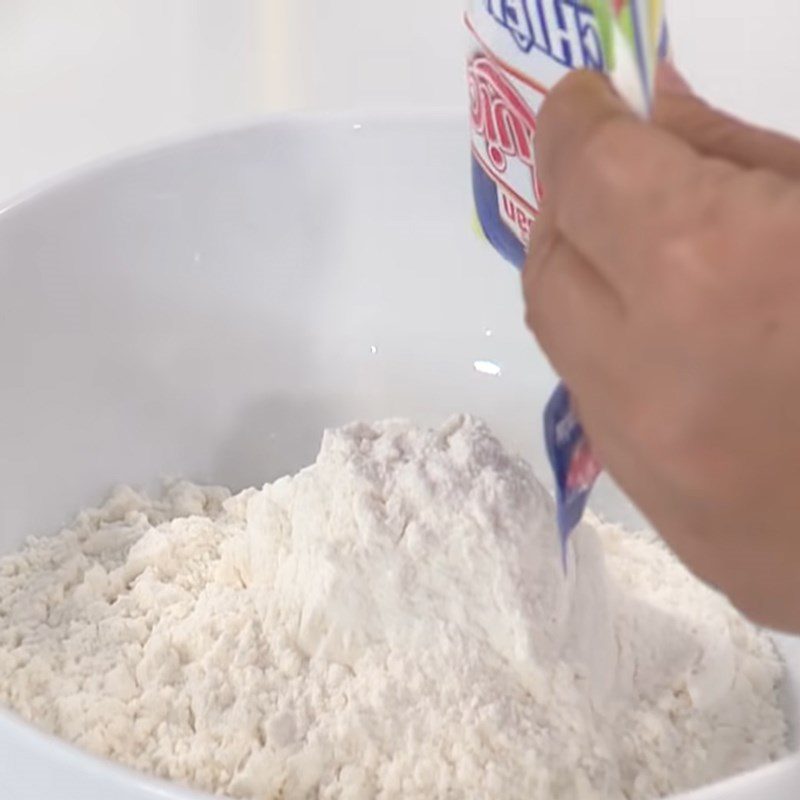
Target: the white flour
(392, 622)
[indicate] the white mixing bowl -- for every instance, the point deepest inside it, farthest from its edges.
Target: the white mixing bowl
(206, 309)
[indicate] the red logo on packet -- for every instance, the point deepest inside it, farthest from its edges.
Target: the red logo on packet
(501, 117)
(584, 468)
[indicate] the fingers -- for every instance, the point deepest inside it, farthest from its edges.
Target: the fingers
(581, 325)
(573, 311)
(616, 185)
(575, 109)
(716, 134)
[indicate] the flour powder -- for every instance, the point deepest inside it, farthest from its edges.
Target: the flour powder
(392, 622)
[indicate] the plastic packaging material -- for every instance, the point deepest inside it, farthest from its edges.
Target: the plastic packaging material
(519, 50)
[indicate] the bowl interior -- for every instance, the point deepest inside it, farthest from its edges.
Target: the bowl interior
(205, 310)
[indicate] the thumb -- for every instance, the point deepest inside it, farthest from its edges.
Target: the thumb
(719, 135)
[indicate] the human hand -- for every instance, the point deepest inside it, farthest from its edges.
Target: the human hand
(663, 283)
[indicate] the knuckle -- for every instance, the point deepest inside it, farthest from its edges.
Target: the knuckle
(530, 316)
(604, 157)
(529, 294)
(688, 116)
(565, 95)
(535, 319)
(694, 232)
(702, 254)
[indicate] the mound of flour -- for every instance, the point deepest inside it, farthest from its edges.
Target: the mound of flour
(391, 622)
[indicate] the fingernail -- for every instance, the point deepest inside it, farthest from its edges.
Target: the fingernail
(670, 81)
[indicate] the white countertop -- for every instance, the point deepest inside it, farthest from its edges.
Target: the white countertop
(81, 78)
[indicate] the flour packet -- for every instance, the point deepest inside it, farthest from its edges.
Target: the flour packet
(519, 50)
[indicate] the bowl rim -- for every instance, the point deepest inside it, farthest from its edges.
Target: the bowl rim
(92, 167)
(74, 757)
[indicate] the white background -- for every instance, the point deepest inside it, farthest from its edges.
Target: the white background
(81, 78)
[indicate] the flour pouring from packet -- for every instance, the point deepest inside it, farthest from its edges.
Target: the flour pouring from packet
(519, 50)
